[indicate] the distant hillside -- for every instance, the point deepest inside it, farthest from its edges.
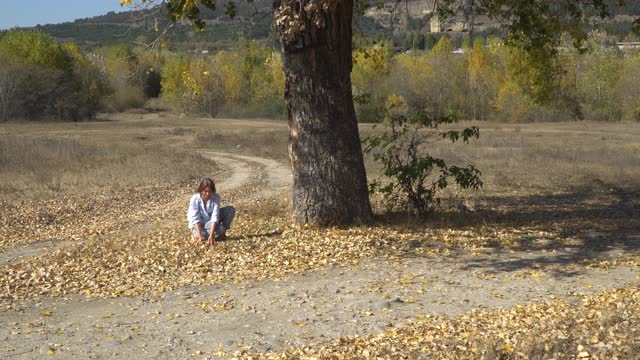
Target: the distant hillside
(254, 21)
(219, 34)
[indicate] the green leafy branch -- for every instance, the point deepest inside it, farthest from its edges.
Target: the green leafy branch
(411, 176)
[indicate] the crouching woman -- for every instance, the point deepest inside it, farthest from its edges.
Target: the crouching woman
(206, 219)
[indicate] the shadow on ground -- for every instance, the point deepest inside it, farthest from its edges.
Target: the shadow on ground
(585, 226)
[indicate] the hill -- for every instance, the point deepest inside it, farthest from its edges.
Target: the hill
(254, 21)
(145, 26)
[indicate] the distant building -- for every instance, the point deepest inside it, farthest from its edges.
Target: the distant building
(628, 45)
(198, 52)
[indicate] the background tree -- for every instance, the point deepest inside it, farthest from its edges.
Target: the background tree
(8, 89)
(126, 75)
(630, 88)
(372, 65)
(598, 83)
(481, 72)
(41, 79)
(411, 77)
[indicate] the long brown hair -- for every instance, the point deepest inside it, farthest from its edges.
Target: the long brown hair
(207, 183)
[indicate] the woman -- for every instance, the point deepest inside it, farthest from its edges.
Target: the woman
(206, 219)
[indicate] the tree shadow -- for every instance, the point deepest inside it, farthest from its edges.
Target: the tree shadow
(586, 225)
(559, 263)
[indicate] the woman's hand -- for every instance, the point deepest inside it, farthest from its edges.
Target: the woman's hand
(199, 239)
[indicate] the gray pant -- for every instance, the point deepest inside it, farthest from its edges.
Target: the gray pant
(227, 214)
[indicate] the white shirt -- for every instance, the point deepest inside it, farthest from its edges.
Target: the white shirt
(201, 212)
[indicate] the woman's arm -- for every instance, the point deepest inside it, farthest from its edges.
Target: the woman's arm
(200, 238)
(212, 239)
(195, 218)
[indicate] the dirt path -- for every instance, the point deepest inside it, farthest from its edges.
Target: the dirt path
(277, 175)
(273, 314)
(277, 313)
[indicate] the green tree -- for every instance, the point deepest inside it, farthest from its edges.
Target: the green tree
(630, 88)
(43, 79)
(482, 79)
(598, 84)
(35, 48)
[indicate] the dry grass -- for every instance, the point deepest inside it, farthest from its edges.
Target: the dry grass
(531, 171)
(548, 158)
(131, 148)
(270, 143)
(547, 186)
(37, 166)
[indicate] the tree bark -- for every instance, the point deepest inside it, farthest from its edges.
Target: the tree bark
(329, 179)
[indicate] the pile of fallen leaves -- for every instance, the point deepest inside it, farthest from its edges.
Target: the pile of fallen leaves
(166, 258)
(603, 326)
(263, 245)
(78, 218)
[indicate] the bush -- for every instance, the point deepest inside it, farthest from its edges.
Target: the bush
(270, 108)
(636, 114)
(45, 80)
(412, 177)
(368, 112)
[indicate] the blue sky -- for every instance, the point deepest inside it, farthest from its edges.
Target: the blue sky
(32, 12)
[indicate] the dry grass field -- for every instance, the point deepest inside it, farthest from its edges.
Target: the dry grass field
(96, 261)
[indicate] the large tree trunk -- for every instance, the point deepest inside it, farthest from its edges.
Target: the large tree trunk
(329, 179)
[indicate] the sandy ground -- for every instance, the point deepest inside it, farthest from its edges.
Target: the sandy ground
(274, 314)
(277, 313)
